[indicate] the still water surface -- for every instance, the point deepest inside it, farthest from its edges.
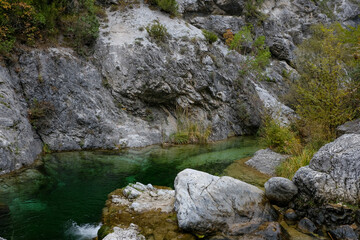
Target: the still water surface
(62, 197)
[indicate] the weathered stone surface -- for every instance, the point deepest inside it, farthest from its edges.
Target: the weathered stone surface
(232, 7)
(266, 161)
(290, 215)
(344, 232)
(219, 23)
(350, 127)
(333, 172)
(130, 233)
(305, 225)
(140, 198)
(206, 204)
(19, 144)
(280, 191)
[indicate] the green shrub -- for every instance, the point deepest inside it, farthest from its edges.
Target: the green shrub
(32, 21)
(279, 138)
(288, 168)
(327, 93)
(169, 6)
(210, 37)
(157, 31)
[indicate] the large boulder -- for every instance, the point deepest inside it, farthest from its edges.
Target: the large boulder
(280, 191)
(266, 161)
(333, 173)
(207, 204)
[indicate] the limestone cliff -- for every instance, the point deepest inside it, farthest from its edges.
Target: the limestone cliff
(128, 91)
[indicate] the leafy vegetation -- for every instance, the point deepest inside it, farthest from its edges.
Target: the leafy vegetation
(278, 137)
(32, 21)
(246, 43)
(326, 95)
(328, 92)
(157, 31)
(169, 6)
(210, 37)
(251, 10)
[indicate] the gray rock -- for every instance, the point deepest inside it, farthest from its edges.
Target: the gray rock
(266, 161)
(232, 7)
(344, 232)
(305, 225)
(280, 191)
(147, 199)
(290, 215)
(19, 144)
(350, 127)
(333, 172)
(207, 204)
(219, 23)
(130, 233)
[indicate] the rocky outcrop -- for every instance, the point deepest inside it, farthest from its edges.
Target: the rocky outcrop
(130, 233)
(266, 161)
(349, 127)
(139, 211)
(345, 232)
(19, 144)
(280, 191)
(207, 204)
(333, 172)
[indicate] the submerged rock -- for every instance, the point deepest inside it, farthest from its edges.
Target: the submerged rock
(207, 204)
(130, 233)
(333, 172)
(280, 191)
(266, 161)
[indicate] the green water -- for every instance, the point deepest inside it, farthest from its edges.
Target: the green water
(62, 198)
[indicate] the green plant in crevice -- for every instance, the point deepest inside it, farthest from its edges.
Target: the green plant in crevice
(210, 37)
(251, 10)
(157, 31)
(38, 112)
(255, 48)
(169, 6)
(189, 131)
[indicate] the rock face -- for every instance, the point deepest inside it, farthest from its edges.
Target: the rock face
(266, 161)
(206, 204)
(280, 191)
(333, 172)
(127, 93)
(19, 144)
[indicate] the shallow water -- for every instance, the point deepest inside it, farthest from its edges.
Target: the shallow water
(63, 197)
